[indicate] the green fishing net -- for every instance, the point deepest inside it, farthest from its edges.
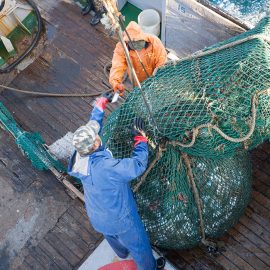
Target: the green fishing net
(166, 201)
(212, 106)
(216, 88)
(31, 144)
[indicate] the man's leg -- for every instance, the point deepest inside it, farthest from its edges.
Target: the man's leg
(87, 8)
(137, 242)
(118, 248)
(99, 10)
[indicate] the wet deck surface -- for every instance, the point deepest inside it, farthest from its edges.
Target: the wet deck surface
(41, 226)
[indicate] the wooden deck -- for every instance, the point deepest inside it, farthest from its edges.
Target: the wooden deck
(41, 226)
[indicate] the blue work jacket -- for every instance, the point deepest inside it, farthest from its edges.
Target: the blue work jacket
(109, 200)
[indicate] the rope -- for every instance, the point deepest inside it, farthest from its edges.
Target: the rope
(44, 94)
(195, 193)
(194, 136)
(153, 163)
(202, 53)
(254, 104)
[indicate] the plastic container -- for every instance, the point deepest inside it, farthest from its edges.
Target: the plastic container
(149, 21)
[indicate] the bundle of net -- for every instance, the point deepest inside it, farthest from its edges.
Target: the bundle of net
(205, 109)
(166, 198)
(31, 144)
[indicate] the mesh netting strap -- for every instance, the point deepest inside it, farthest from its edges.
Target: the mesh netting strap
(161, 149)
(195, 193)
(254, 104)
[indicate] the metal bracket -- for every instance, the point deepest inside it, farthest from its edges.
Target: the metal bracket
(8, 45)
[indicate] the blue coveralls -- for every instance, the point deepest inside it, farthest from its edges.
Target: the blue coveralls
(109, 200)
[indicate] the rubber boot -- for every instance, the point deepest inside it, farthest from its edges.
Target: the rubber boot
(96, 19)
(87, 8)
(161, 263)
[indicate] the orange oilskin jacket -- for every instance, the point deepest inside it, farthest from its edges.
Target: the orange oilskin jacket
(152, 57)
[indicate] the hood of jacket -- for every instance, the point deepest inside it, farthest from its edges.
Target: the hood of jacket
(135, 32)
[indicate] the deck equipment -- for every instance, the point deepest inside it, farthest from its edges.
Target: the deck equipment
(31, 144)
(20, 29)
(34, 148)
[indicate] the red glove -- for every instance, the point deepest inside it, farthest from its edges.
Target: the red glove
(138, 139)
(138, 131)
(101, 103)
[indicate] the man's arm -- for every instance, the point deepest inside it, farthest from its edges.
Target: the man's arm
(97, 113)
(159, 52)
(127, 169)
(119, 67)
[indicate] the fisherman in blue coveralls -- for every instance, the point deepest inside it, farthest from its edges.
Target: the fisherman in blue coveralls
(109, 200)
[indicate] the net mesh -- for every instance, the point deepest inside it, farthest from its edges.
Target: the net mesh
(224, 86)
(167, 204)
(31, 144)
(212, 89)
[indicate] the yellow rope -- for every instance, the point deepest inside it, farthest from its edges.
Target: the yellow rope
(195, 193)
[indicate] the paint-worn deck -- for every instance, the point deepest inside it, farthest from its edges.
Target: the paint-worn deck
(41, 227)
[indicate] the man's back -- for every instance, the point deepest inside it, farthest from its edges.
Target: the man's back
(108, 197)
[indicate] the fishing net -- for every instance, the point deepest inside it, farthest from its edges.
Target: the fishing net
(207, 107)
(167, 205)
(213, 89)
(166, 199)
(31, 144)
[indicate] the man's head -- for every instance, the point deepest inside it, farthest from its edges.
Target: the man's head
(135, 32)
(86, 139)
(139, 39)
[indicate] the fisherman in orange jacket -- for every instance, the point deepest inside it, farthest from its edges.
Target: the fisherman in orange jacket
(150, 49)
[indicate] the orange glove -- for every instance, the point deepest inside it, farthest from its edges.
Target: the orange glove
(119, 87)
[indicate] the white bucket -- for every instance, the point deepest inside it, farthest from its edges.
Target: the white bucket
(121, 3)
(149, 21)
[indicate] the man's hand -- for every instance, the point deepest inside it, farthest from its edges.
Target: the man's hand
(138, 127)
(138, 131)
(102, 101)
(119, 87)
